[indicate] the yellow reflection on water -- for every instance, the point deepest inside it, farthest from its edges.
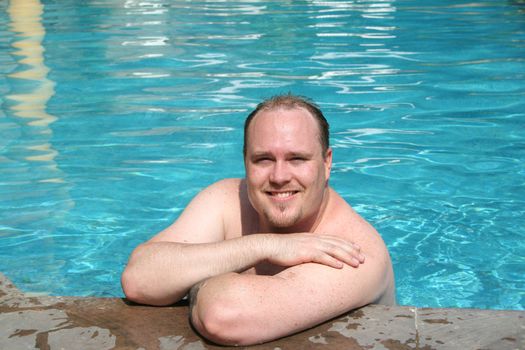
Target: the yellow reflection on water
(26, 24)
(31, 104)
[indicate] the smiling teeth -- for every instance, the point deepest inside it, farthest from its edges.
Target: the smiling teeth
(283, 194)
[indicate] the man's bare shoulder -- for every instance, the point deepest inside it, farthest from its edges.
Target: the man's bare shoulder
(215, 198)
(204, 218)
(347, 223)
(223, 195)
(344, 220)
(231, 198)
(228, 193)
(229, 186)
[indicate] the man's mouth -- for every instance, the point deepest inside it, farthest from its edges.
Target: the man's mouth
(282, 194)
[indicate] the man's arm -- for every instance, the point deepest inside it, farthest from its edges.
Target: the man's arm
(241, 309)
(161, 271)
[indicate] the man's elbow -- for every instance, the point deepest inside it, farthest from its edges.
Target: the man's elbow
(224, 324)
(136, 289)
(131, 280)
(131, 287)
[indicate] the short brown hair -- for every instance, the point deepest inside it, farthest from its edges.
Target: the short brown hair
(290, 101)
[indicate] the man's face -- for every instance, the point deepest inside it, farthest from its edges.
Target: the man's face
(286, 170)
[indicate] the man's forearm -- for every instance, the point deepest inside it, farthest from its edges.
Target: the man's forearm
(161, 273)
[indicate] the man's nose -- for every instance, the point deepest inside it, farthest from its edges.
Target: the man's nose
(280, 173)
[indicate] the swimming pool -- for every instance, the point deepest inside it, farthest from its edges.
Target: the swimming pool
(115, 113)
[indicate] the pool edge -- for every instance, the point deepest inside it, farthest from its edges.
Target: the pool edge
(46, 322)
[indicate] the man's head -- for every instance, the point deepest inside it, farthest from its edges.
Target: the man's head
(290, 101)
(288, 163)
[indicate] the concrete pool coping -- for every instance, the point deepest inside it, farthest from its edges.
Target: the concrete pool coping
(45, 322)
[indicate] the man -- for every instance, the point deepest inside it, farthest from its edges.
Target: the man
(272, 254)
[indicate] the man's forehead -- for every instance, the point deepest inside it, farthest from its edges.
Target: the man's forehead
(283, 115)
(284, 131)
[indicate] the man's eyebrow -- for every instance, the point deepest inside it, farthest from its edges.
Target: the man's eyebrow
(288, 154)
(301, 153)
(261, 154)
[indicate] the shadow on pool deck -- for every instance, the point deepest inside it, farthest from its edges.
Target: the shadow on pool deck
(44, 322)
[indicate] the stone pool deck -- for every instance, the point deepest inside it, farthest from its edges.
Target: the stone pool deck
(43, 322)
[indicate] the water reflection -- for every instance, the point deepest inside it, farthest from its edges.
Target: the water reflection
(26, 17)
(31, 89)
(360, 33)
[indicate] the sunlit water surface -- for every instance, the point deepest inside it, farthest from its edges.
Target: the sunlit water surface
(116, 113)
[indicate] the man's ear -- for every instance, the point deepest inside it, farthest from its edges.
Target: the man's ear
(328, 162)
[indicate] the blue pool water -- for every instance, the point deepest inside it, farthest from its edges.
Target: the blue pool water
(115, 113)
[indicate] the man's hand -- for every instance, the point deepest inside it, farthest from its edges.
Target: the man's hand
(299, 248)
